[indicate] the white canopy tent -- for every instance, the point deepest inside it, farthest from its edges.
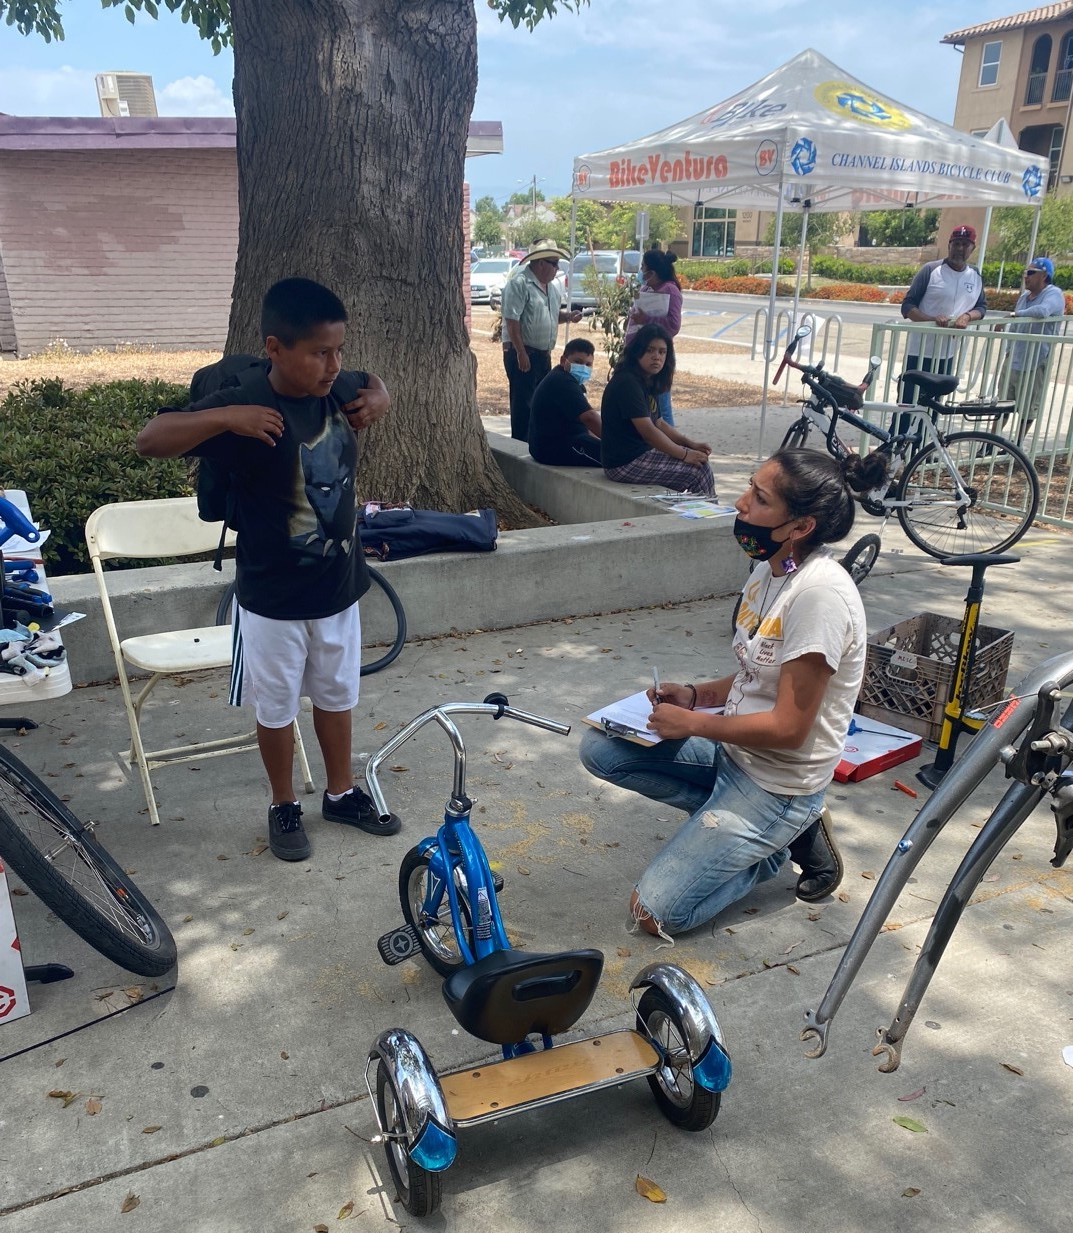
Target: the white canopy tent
(809, 136)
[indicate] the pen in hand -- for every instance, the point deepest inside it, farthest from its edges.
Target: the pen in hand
(655, 682)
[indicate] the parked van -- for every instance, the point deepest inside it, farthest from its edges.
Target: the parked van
(611, 265)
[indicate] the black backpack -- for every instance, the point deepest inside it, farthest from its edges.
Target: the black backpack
(247, 375)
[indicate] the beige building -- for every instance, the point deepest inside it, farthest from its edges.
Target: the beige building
(1020, 69)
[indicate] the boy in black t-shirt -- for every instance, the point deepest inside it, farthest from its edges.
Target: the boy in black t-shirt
(564, 430)
(299, 565)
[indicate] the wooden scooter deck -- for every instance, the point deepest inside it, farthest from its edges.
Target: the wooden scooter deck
(548, 1075)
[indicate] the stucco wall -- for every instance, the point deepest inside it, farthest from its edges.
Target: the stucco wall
(104, 247)
(7, 326)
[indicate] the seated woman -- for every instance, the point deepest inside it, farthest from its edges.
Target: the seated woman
(636, 446)
(752, 779)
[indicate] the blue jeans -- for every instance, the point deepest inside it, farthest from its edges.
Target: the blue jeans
(735, 837)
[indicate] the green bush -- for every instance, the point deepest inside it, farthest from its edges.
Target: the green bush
(844, 271)
(72, 450)
(692, 268)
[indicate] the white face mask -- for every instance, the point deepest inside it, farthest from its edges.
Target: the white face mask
(581, 372)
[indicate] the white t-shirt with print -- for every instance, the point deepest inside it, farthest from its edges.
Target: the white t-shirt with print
(814, 610)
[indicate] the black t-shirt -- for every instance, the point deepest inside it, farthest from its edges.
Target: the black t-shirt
(553, 418)
(625, 399)
(298, 556)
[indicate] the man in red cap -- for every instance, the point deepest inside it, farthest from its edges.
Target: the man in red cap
(949, 293)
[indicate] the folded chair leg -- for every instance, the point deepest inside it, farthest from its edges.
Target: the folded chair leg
(303, 761)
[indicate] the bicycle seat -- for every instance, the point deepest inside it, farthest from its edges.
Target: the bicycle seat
(980, 558)
(932, 385)
(513, 994)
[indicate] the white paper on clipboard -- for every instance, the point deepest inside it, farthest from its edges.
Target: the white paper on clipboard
(654, 303)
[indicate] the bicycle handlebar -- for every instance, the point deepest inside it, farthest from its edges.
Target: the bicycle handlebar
(495, 705)
(812, 375)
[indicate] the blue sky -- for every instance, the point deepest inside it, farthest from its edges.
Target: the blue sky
(579, 83)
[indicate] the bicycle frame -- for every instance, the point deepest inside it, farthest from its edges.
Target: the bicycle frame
(455, 848)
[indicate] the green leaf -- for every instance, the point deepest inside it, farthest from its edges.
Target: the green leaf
(910, 1123)
(130, 14)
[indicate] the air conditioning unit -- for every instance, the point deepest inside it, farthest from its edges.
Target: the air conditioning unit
(126, 94)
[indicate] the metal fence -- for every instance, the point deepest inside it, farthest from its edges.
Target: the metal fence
(1031, 371)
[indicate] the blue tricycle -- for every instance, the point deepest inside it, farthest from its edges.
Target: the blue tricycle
(516, 999)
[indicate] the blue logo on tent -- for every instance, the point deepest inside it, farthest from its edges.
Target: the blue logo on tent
(803, 156)
(1032, 182)
(863, 106)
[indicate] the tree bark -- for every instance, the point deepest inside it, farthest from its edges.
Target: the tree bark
(352, 120)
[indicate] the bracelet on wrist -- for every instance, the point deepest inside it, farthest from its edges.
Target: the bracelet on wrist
(693, 691)
(685, 452)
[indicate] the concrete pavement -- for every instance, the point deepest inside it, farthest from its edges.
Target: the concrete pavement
(232, 1093)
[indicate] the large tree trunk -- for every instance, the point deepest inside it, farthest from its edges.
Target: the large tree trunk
(352, 120)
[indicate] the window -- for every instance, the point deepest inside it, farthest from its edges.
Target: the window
(1054, 154)
(989, 63)
(1064, 77)
(713, 232)
(1037, 73)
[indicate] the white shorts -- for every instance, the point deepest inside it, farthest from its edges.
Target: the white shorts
(276, 663)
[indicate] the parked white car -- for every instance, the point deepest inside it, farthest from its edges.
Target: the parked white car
(489, 273)
(611, 265)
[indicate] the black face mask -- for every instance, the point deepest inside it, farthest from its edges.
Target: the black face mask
(756, 541)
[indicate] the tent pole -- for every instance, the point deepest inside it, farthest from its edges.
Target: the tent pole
(984, 239)
(573, 245)
(769, 333)
(800, 263)
(1035, 232)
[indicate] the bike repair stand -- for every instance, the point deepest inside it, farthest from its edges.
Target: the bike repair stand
(41, 973)
(956, 719)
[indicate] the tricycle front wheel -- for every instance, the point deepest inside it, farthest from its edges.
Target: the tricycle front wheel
(430, 917)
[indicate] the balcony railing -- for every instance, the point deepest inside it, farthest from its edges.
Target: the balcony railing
(1063, 80)
(1034, 89)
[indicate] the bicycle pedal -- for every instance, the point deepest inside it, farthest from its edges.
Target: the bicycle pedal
(398, 945)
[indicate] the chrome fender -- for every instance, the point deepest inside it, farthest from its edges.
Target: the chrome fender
(431, 1138)
(708, 1051)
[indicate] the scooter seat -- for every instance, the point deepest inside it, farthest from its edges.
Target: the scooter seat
(513, 994)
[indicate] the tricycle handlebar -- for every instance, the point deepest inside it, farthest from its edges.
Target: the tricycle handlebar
(495, 705)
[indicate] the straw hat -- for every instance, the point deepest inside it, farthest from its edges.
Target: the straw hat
(545, 250)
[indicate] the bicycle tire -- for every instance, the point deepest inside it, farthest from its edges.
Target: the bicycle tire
(59, 859)
(223, 617)
(997, 474)
(797, 435)
(860, 558)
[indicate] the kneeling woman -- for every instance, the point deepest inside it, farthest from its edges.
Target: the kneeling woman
(636, 445)
(752, 779)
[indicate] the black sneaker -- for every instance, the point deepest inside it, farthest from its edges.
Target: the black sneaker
(357, 809)
(286, 837)
(820, 861)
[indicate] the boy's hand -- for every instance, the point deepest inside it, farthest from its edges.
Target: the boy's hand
(672, 723)
(370, 405)
(262, 423)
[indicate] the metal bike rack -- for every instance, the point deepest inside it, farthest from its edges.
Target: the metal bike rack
(1039, 766)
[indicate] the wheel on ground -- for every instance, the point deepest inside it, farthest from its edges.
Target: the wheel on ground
(439, 942)
(58, 858)
(681, 1100)
(859, 560)
(418, 1189)
(1003, 496)
(796, 436)
(381, 608)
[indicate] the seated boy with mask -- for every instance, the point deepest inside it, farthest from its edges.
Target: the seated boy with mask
(564, 429)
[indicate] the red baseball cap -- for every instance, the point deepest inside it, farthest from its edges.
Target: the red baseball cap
(964, 232)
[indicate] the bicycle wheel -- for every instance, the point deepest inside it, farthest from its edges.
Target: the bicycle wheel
(378, 610)
(58, 858)
(436, 934)
(859, 560)
(1003, 496)
(680, 1098)
(797, 435)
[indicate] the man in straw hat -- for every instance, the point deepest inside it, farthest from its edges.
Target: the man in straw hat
(532, 310)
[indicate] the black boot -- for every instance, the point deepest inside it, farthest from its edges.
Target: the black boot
(814, 851)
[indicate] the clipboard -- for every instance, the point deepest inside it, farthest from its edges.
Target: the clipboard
(627, 718)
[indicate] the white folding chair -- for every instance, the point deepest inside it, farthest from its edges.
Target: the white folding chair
(139, 530)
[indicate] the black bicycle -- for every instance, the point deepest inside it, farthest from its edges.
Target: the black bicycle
(61, 860)
(954, 493)
(375, 611)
